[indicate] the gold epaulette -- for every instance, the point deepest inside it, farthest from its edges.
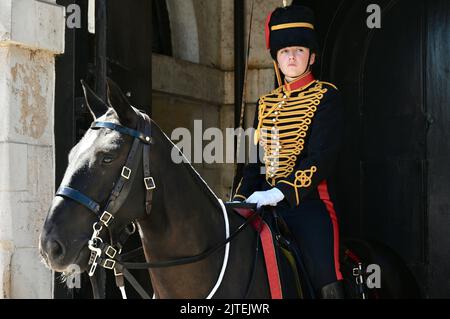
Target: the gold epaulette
(330, 84)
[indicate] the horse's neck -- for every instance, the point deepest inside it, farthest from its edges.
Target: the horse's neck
(193, 211)
(188, 202)
(186, 220)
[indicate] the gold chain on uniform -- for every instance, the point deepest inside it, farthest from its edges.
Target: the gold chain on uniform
(284, 119)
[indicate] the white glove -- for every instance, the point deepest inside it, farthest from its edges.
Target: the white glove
(271, 197)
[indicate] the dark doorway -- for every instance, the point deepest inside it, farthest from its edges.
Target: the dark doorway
(394, 171)
(161, 36)
(128, 62)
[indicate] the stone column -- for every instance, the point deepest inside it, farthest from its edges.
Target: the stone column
(31, 34)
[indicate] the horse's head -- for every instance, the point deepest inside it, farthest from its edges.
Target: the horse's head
(96, 167)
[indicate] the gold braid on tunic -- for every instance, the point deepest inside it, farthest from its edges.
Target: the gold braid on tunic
(283, 120)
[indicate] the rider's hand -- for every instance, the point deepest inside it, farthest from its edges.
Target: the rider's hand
(267, 198)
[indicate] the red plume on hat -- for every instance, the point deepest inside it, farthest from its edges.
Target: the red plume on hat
(269, 16)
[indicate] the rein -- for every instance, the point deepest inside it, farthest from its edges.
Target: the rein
(110, 256)
(184, 260)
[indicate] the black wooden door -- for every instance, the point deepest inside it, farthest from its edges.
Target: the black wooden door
(394, 169)
(128, 62)
(437, 97)
(385, 154)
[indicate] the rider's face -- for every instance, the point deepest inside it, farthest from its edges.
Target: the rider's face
(293, 61)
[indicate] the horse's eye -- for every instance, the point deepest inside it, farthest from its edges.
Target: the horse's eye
(107, 160)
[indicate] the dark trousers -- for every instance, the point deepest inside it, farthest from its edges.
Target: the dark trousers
(314, 226)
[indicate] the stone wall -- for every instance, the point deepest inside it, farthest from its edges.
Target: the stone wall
(31, 33)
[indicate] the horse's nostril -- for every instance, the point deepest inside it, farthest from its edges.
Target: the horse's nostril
(55, 249)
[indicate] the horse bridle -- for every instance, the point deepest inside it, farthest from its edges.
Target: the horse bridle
(106, 255)
(102, 253)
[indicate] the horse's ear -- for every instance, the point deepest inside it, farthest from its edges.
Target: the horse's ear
(120, 104)
(94, 103)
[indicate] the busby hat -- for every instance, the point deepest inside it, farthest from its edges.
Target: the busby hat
(290, 26)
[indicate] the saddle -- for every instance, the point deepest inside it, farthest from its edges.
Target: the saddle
(285, 270)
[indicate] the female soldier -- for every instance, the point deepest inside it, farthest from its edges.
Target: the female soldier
(298, 126)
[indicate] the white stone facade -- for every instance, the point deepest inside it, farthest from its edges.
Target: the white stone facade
(31, 34)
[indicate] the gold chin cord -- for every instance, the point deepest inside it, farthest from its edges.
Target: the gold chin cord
(277, 72)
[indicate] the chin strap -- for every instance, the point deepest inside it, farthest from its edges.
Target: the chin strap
(277, 72)
(308, 66)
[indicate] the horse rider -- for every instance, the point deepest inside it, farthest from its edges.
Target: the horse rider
(298, 127)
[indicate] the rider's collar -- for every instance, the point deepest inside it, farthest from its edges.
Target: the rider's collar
(301, 81)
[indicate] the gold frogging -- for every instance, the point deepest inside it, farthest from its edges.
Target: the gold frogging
(284, 120)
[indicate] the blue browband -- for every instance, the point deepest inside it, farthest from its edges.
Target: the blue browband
(79, 197)
(123, 130)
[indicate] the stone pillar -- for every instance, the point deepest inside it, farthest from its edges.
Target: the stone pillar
(31, 34)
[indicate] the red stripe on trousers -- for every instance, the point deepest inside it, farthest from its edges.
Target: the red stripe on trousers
(325, 197)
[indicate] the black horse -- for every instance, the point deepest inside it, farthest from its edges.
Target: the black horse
(176, 212)
(185, 219)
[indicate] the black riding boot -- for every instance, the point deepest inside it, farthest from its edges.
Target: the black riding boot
(335, 290)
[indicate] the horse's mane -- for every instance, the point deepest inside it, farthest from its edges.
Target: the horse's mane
(195, 175)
